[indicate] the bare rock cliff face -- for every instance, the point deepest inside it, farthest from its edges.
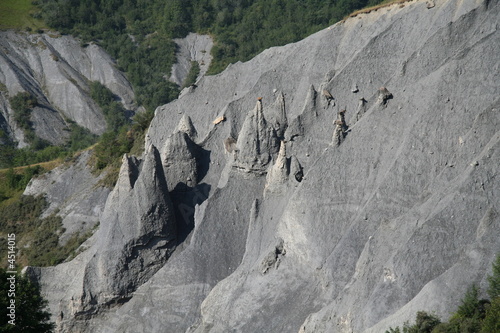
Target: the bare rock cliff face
(57, 71)
(302, 218)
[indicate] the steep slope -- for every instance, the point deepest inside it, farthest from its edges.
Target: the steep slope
(57, 71)
(307, 218)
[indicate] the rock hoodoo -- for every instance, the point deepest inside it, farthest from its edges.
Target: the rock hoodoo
(257, 142)
(180, 156)
(383, 96)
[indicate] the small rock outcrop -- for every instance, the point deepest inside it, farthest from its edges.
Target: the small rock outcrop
(230, 144)
(340, 131)
(361, 110)
(257, 142)
(383, 96)
(341, 118)
(305, 118)
(276, 115)
(278, 173)
(273, 258)
(296, 169)
(186, 125)
(328, 97)
(219, 120)
(179, 157)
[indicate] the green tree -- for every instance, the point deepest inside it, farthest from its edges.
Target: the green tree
(142, 120)
(425, 322)
(177, 18)
(114, 112)
(80, 137)
(491, 323)
(494, 280)
(112, 146)
(192, 75)
(30, 308)
(470, 304)
(12, 179)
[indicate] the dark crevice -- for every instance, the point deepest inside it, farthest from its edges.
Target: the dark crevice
(184, 202)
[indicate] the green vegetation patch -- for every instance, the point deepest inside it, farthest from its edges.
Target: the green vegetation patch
(31, 314)
(22, 105)
(473, 315)
(192, 75)
(113, 111)
(129, 139)
(19, 14)
(13, 182)
(37, 238)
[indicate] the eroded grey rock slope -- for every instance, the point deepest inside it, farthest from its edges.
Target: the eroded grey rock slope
(57, 71)
(294, 232)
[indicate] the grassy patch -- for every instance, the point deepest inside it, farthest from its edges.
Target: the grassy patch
(17, 14)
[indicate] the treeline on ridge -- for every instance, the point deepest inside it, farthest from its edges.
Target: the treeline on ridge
(138, 33)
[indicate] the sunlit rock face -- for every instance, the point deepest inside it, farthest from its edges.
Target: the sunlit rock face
(292, 231)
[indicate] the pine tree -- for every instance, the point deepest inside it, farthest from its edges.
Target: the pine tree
(30, 313)
(494, 280)
(470, 303)
(491, 323)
